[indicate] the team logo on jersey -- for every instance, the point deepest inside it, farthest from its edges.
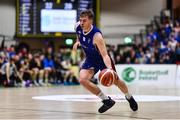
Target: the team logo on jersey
(84, 39)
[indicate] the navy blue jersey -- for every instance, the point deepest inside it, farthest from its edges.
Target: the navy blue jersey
(86, 40)
(93, 59)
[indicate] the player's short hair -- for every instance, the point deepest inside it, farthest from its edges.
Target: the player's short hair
(88, 13)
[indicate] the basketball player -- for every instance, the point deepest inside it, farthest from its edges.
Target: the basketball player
(90, 39)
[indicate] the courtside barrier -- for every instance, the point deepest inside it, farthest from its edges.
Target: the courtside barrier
(155, 75)
(178, 76)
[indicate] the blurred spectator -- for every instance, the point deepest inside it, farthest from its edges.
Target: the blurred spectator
(36, 70)
(1, 63)
(10, 75)
(49, 69)
(177, 52)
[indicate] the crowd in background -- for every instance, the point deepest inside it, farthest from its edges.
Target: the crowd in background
(161, 46)
(22, 67)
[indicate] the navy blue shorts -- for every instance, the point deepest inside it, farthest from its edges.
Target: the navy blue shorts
(95, 65)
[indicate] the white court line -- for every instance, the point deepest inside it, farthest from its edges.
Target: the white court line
(119, 98)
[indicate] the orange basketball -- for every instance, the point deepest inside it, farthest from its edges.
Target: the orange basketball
(106, 77)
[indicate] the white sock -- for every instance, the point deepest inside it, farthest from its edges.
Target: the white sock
(102, 96)
(128, 96)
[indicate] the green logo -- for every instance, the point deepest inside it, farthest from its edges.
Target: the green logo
(129, 74)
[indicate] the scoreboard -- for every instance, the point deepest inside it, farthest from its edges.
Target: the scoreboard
(51, 18)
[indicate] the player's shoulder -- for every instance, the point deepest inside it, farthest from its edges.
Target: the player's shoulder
(77, 24)
(95, 29)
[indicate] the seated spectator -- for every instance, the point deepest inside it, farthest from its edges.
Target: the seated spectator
(1, 63)
(69, 76)
(25, 72)
(37, 71)
(49, 70)
(177, 53)
(10, 75)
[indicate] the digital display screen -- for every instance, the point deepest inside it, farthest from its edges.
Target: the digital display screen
(51, 18)
(58, 20)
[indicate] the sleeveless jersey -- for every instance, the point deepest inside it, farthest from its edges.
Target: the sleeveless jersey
(86, 40)
(93, 59)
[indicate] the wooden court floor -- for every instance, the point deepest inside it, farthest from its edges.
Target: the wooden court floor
(19, 103)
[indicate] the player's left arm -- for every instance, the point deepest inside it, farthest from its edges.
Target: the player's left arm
(100, 43)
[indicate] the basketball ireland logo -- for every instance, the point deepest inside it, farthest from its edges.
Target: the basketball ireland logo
(128, 74)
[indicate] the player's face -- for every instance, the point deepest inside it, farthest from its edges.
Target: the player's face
(85, 23)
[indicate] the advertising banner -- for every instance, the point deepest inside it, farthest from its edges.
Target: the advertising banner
(156, 75)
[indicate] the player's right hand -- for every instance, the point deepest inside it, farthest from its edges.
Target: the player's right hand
(75, 46)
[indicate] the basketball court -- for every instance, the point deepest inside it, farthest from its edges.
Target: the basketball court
(75, 102)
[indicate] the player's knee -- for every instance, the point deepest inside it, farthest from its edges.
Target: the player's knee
(82, 81)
